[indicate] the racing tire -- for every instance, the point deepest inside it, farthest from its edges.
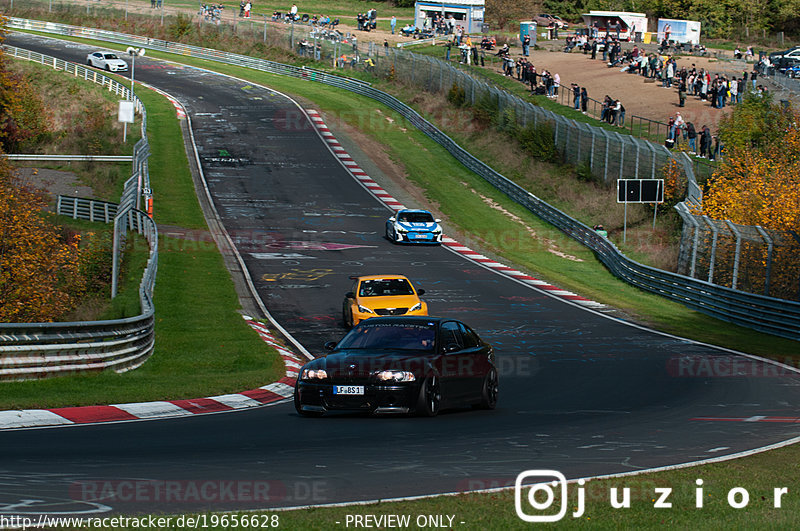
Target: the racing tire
(489, 391)
(430, 397)
(89, 62)
(300, 410)
(108, 68)
(347, 319)
(390, 236)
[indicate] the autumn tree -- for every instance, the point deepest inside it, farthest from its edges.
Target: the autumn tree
(759, 181)
(22, 113)
(39, 269)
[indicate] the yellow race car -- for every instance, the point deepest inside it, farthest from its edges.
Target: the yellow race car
(376, 295)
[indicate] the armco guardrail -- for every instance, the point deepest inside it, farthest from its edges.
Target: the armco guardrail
(38, 350)
(70, 158)
(775, 316)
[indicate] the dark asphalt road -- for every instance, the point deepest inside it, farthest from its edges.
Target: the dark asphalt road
(580, 393)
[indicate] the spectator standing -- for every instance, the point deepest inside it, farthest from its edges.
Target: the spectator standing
(691, 136)
(682, 94)
(705, 142)
(612, 112)
(556, 84)
(386, 47)
(584, 100)
(677, 125)
(393, 23)
(247, 7)
(526, 43)
(620, 108)
(293, 12)
(576, 96)
(754, 77)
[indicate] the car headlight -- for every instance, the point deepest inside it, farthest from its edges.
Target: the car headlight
(313, 374)
(437, 230)
(417, 306)
(364, 309)
(395, 376)
(402, 230)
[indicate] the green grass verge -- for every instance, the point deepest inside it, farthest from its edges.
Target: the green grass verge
(758, 474)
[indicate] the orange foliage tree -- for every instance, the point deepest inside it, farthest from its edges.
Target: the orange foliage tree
(759, 181)
(39, 269)
(23, 115)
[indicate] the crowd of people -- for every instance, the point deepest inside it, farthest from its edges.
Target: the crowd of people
(367, 21)
(316, 21)
(211, 12)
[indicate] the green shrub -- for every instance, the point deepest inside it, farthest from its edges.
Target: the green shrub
(486, 109)
(457, 95)
(539, 141)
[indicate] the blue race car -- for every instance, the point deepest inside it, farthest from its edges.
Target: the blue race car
(413, 226)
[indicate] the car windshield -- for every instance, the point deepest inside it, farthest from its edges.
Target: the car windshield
(110, 56)
(415, 217)
(401, 336)
(385, 287)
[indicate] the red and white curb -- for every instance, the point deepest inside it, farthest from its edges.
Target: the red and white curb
(383, 196)
(266, 395)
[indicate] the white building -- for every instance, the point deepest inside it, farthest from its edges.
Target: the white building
(606, 23)
(467, 13)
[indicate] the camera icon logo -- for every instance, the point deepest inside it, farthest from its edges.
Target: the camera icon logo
(546, 488)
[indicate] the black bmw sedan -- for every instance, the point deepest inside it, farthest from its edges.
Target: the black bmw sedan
(400, 365)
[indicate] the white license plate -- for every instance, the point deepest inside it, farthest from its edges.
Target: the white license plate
(420, 236)
(348, 389)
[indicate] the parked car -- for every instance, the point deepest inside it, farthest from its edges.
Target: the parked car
(792, 71)
(400, 365)
(376, 295)
(107, 61)
(545, 20)
(785, 58)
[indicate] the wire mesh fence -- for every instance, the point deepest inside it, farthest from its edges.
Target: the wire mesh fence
(743, 257)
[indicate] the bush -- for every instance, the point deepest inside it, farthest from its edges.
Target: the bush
(539, 141)
(486, 109)
(457, 95)
(506, 121)
(182, 25)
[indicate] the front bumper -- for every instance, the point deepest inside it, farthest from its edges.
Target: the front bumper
(428, 238)
(361, 316)
(383, 398)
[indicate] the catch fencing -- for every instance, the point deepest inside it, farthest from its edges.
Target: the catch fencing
(767, 314)
(40, 350)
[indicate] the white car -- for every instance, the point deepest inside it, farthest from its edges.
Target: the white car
(107, 61)
(413, 226)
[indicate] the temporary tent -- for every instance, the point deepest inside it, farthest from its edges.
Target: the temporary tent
(630, 24)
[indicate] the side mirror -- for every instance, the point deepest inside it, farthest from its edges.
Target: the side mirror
(330, 345)
(451, 347)
(349, 295)
(420, 292)
(392, 219)
(437, 220)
